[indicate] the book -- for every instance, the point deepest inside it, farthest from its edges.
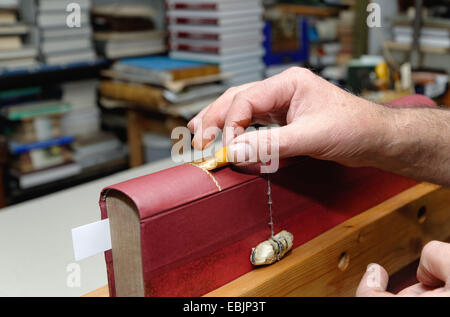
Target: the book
(139, 94)
(58, 20)
(8, 16)
(123, 18)
(219, 16)
(224, 39)
(87, 55)
(218, 5)
(104, 159)
(35, 109)
(214, 21)
(19, 148)
(39, 159)
(14, 29)
(194, 92)
(249, 52)
(95, 144)
(98, 149)
(56, 46)
(213, 31)
(121, 49)
(24, 52)
(127, 36)
(213, 49)
(178, 232)
(80, 122)
(38, 129)
(61, 5)
(120, 10)
(161, 69)
(65, 33)
(29, 95)
(9, 4)
(19, 63)
(36, 178)
(175, 86)
(81, 94)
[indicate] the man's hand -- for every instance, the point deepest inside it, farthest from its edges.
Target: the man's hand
(433, 275)
(317, 119)
(323, 121)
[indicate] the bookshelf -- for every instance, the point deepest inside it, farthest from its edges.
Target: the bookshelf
(422, 48)
(12, 79)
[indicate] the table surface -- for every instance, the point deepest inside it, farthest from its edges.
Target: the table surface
(36, 240)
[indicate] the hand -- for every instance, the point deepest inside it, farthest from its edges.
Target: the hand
(433, 275)
(317, 119)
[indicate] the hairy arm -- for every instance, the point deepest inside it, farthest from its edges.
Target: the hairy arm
(416, 144)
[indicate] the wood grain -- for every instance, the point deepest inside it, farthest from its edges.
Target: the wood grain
(390, 234)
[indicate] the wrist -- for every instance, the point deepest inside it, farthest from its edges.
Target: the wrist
(383, 142)
(400, 146)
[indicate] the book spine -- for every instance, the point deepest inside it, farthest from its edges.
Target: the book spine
(188, 73)
(140, 94)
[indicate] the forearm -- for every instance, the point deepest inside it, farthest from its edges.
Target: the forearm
(415, 142)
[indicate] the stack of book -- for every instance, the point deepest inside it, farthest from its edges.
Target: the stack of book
(84, 116)
(13, 52)
(175, 87)
(92, 148)
(126, 30)
(434, 33)
(58, 40)
(226, 32)
(38, 147)
(99, 151)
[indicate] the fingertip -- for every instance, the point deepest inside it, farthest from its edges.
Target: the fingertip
(193, 124)
(374, 282)
(434, 265)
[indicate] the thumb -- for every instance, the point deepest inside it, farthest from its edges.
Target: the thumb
(266, 145)
(374, 282)
(434, 266)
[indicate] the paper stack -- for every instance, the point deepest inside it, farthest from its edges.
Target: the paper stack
(13, 52)
(60, 41)
(226, 32)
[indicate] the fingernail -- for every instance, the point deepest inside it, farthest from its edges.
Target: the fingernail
(370, 266)
(240, 152)
(238, 131)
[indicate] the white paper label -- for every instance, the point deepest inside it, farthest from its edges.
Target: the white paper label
(91, 239)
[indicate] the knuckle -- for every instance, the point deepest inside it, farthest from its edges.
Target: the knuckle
(298, 70)
(240, 96)
(231, 90)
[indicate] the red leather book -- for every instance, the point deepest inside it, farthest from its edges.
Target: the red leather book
(189, 237)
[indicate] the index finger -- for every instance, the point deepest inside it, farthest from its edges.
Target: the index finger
(265, 96)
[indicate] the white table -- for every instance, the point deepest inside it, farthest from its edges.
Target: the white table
(36, 239)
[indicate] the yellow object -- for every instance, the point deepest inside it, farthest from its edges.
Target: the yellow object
(211, 163)
(382, 71)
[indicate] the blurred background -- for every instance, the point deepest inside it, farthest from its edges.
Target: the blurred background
(84, 96)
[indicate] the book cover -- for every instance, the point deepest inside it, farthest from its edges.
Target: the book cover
(162, 68)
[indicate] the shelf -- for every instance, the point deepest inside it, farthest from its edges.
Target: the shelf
(13, 79)
(17, 195)
(424, 49)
